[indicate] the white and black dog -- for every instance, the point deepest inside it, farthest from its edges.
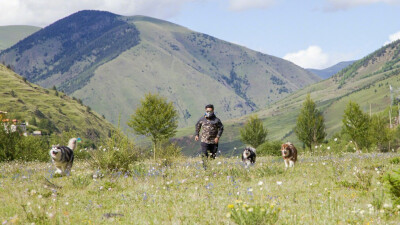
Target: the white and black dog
(63, 157)
(249, 156)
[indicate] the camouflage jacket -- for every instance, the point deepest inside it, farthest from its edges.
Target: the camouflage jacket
(212, 128)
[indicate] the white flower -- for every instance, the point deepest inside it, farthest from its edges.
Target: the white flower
(329, 147)
(206, 178)
(260, 183)
(335, 139)
(370, 205)
(316, 146)
(387, 205)
(279, 182)
(219, 163)
(250, 189)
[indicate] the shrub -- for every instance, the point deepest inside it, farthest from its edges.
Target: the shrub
(117, 153)
(169, 152)
(269, 148)
(243, 214)
(32, 148)
(393, 183)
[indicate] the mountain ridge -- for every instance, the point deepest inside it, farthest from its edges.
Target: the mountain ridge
(189, 68)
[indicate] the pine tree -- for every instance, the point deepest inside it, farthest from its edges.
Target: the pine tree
(310, 127)
(355, 124)
(253, 132)
(155, 118)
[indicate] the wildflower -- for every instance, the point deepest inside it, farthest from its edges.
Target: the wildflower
(387, 205)
(260, 183)
(335, 139)
(238, 201)
(250, 189)
(316, 146)
(228, 215)
(329, 147)
(279, 182)
(250, 210)
(245, 206)
(231, 206)
(219, 163)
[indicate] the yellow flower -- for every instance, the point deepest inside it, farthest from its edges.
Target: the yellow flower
(272, 206)
(245, 206)
(231, 206)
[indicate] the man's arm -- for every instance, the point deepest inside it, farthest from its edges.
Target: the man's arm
(220, 128)
(198, 127)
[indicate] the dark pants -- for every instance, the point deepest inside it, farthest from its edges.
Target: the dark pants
(206, 148)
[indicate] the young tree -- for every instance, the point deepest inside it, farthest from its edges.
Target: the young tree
(253, 132)
(380, 133)
(155, 117)
(355, 124)
(310, 126)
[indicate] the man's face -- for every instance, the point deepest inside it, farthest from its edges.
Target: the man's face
(209, 110)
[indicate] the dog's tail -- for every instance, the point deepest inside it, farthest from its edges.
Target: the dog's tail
(72, 143)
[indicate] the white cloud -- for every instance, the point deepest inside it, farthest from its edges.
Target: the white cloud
(335, 5)
(45, 12)
(241, 5)
(393, 37)
(312, 57)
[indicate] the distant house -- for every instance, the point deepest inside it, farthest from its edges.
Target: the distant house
(15, 125)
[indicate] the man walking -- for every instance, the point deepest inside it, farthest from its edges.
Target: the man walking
(212, 131)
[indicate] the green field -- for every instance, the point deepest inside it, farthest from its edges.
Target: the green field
(329, 189)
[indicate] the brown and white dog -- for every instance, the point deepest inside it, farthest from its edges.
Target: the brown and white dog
(289, 154)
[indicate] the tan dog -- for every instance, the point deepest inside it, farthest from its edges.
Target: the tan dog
(289, 154)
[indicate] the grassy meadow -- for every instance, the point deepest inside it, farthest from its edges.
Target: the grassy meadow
(326, 189)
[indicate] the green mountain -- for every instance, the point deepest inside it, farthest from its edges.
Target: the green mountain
(53, 111)
(111, 61)
(366, 81)
(10, 35)
(330, 71)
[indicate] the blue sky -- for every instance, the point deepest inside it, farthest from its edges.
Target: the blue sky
(310, 33)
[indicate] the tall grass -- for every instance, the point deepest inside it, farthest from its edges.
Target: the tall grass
(185, 193)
